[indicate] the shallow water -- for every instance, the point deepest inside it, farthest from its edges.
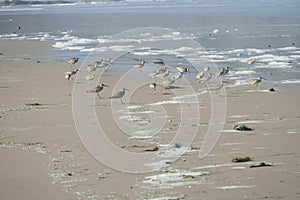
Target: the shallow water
(228, 32)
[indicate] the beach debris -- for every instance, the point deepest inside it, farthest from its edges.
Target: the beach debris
(33, 104)
(177, 145)
(31, 143)
(241, 159)
(97, 89)
(216, 31)
(262, 164)
(72, 61)
(242, 127)
(187, 176)
(251, 61)
(152, 149)
(6, 142)
(103, 175)
(272, 90)
(70, 174)
(65, 151)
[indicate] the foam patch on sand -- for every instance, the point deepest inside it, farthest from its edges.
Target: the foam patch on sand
(231, 187)
(174, 178)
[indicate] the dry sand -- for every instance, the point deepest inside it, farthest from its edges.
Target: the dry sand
(42, 156)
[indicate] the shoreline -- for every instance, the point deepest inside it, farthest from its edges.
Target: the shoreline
(49, 132)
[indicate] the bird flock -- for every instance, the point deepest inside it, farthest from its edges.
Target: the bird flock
(158, 75)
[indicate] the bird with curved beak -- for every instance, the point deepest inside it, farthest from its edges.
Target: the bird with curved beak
(183, 70)
(139, 65)
(200, 75)
(98, 89)
(69, 74)
(205, 79)
(119, 95)
(206, 69)
(104, 63)
(178, 76)
(159, 71)
(251, 61)
(255, 81)
(168, 82)
(223, 71)
(72, 61)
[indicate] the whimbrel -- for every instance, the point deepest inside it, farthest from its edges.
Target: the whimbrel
(72, 61)
(98, 89)
(119, 95)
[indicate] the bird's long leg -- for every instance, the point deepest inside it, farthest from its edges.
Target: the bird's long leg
(99, 95)
(121, 101)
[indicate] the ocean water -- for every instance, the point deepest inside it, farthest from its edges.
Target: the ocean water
(228, 31)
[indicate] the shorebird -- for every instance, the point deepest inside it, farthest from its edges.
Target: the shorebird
(255, 81)
(139, 65)
(91, 68)
(69, 74)
(200, 75)
(158, 71)
(89, 78)
(72, 61)
(183, 69)
(178, 76)
(119, 95)
(217, 89)
(251, 61)
(159, 61)
(97, 89)
(206, 69)
(226, 70)
(223, 71)
(96, 63)
(152, 86)
(168, 82)
(162, 75)
(205, 79)
(104, 63)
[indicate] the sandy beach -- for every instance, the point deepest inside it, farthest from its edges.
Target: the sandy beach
(42, 156)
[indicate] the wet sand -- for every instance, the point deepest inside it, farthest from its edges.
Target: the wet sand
(43, 157)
